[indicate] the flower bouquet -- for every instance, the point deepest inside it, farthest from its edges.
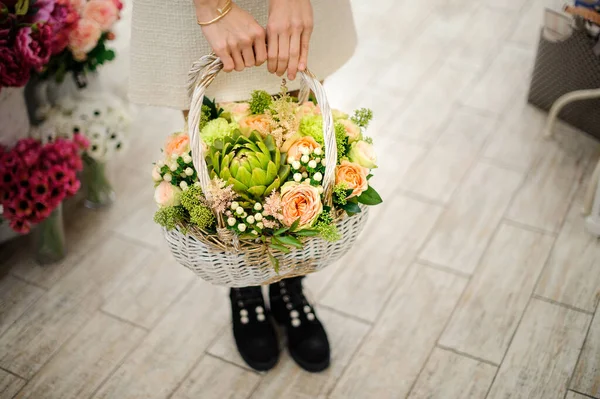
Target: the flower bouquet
(265, 189)
(105, 123)
(81, 29)
(35, 180)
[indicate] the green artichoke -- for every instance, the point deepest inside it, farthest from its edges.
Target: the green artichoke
(252, 165)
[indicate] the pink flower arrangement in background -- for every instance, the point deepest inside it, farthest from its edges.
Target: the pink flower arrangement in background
(34, 38)
(35, 178)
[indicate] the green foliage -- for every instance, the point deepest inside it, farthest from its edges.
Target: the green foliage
(326, 228)
(370, 197)
(260, 102)
(368, 140)
(362, 117)
(214, 110)
(170, 217)
(62, 63)
(22, 7)
(341, 193)
(341, 140)
(205, 116)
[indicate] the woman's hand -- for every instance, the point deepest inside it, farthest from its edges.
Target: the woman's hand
(237, 39)
(288, 36)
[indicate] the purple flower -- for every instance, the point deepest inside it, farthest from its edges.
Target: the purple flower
(34, 45)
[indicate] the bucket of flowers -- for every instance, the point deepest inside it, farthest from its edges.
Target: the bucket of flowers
(36, 178)
(263, 190)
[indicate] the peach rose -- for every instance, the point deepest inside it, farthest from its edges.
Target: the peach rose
(156, 176)
(177, 144)
(104, 12)
(354, 175)
(308, 108)
(167, 194)
(301, 145)
(84, 38)
(352, 129)
(259, 123)
(300, 201)
(236, 111)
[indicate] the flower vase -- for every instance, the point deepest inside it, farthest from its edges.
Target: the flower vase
(96, 186)
(49, 244)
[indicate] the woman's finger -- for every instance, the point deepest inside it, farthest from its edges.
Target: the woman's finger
(223, 53)
(238, 60)
(294, 54)
(248, 56)
(260, 48)
(272, 49)
(304, 44)
(283, 55)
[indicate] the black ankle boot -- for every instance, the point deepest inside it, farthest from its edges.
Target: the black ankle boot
(307, 339)
(253, 329)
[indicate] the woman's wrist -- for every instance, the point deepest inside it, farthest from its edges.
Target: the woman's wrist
(208, 9)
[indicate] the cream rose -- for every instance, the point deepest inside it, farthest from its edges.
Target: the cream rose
(104, 12)
(300, 201)
(156, 174)
(363, 154)
(354, 176)
(167, 194)
(84, 38)
(177, 144)
(236, 111)
(308, 108)
(352, 129)
(302, 144)
(259, 123)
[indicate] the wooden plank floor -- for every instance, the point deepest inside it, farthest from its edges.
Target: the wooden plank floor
(475, 279)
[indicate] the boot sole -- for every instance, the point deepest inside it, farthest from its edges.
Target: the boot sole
(310, 367)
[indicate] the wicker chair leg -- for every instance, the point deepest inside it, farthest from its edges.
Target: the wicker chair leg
(564, 101)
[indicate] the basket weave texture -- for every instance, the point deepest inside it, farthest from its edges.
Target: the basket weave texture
(221, 260)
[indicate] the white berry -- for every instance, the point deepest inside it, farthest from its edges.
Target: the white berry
(318, 176)
(305, 159)
(258, 217)
(231, 221)
(239, 210)
(242, 227)
(312, 164)
(297, 177)
(257, 206)
(317, 151)
(296, 165)
(250, 219)
(167, 177)
(183, 185)
(189, 171)
(260, 225)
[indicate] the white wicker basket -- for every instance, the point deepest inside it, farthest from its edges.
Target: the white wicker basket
(223, 263)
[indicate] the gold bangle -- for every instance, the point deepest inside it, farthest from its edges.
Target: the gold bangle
(222, 12)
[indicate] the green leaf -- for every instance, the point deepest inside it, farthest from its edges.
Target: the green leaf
(259, 177)
(370, 197)
(257, 191)
(290, 240)
(274, 262)
(307, 233)
(281, 231)
(244, 176)
(369, 176)
(351, 207)
(295, 225)
(280, 248)
(22, 7)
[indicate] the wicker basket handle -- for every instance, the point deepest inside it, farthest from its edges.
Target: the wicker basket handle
(202, 74)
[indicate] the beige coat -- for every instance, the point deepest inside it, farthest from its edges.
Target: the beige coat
(166, 39)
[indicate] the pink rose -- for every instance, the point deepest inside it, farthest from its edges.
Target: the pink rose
(104, 12)
(118, 4)
(308, 108)
(352, 129)
(34, 46)
(84, 38)
(167, 194)
(300, 201)
(301, 146)
(236, 111)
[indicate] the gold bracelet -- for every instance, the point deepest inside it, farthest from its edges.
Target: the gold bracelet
(222, 12)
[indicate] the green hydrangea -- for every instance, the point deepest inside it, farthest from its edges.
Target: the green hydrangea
(312, 125)
(217, 129)
(362, 117)
(341, 140)
(260, 102)
(192, 197)
(170, 217)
